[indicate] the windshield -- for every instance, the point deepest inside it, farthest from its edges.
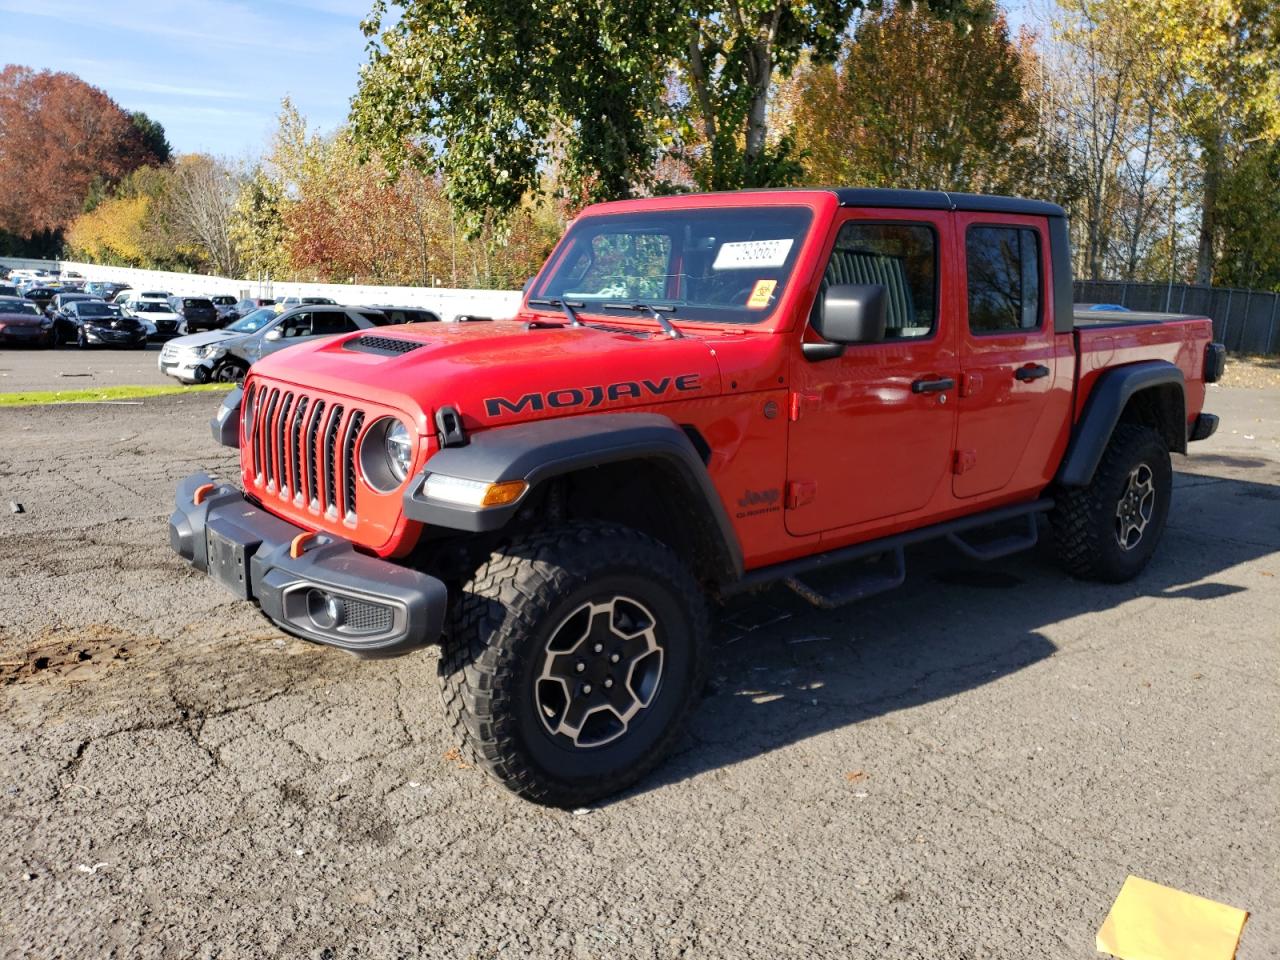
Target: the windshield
(92, 308)
(718, 265)
(15, 306)
(254, 321)
(151, 307)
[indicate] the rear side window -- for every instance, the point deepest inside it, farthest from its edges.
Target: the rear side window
(1004, 278)
(901, 257)
(332, 323)
(380, 319)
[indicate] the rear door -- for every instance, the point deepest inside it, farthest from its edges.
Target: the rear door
(1014, 394)
(872, 430)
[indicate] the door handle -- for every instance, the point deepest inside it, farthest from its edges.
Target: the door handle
(927, 385)
(1032, 371)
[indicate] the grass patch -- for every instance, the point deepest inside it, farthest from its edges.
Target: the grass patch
(30, 398)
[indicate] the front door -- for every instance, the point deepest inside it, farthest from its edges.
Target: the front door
(872, 430)
(1012, 399)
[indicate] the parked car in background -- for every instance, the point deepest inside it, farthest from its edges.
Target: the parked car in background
(72, 280)
(8, 290)
(226, 355)
(198, 312)
(64, 328)
(249, 304)
(225, 304)
(123, 297)
(99, 323)
(39, 295)
(22, 322)
(106, 289)
(160, 319)
(397, 315)
(289, 302)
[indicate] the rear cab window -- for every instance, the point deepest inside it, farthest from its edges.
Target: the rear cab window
(1004, 278)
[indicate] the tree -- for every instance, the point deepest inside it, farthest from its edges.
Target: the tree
(152, 135)
(202, 200)
(1222, 62)
(917, 102)
(487, 92)
(60, 136)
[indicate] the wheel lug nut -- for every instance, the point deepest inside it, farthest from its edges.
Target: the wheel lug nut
(598, 647)
(615, 658)
(586, 688)
(608, 682)
(580, 666)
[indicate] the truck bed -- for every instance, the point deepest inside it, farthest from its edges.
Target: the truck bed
(1087, 317)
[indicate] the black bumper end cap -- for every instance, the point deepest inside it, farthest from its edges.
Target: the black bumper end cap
(1206, 426)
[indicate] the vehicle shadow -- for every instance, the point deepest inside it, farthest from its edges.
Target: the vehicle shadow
(784, 671)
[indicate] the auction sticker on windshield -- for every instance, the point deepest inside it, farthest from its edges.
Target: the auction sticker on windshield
(761, 294)
(752, 253)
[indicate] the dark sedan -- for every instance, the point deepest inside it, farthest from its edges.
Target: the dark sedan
(41, 295)
(101, 324)
(22, 322)
(64, 327)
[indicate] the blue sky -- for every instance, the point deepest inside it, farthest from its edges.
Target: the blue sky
(211, 71)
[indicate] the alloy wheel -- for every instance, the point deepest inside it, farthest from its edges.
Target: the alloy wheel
(601, 669)
(1136, 507)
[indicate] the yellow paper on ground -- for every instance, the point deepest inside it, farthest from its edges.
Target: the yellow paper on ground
(1152, 922)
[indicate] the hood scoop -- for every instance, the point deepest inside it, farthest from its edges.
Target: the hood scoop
(386, 346)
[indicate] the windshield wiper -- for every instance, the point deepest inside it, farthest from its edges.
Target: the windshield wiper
(654, 311)
(564, 305)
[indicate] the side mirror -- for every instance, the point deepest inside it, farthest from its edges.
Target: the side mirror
(273, 334)
(848, 313)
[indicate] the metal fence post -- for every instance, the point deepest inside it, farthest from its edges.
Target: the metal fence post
(1271, 330)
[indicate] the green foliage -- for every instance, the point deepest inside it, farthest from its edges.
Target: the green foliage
(151, 133)
(492, 93)
(497, 93)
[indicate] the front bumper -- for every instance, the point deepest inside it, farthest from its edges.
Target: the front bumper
(328, 593)
(185, 369)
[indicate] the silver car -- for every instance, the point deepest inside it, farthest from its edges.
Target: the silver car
(225, 355)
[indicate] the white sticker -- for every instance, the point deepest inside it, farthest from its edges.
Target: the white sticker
(752, 254)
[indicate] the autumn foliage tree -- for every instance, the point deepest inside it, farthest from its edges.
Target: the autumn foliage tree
(918, 102)
(61, 137)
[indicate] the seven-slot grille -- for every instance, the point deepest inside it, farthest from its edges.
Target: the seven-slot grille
(303, 449)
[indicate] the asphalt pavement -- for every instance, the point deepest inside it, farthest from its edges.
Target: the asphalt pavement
(70, 368)
(967, 767)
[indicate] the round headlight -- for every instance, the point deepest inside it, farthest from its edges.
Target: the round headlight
(399, 450)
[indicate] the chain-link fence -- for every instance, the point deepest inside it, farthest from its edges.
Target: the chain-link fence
(1244, 320)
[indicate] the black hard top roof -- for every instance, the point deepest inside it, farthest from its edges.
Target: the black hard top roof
(939, 200)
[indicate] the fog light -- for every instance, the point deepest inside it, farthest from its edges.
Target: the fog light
(326, 611)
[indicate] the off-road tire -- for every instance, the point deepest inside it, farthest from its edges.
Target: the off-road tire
(1084, 518)
(497, 642)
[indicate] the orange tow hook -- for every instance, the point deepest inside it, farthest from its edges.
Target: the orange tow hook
(202, 491)
(299, 542)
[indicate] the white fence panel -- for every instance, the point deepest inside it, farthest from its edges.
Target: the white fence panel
(448, 302)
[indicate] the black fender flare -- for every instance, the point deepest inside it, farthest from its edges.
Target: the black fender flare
(226, 422)
(1111, 393)
(543, 449)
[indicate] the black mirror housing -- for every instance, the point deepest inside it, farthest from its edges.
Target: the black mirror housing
(852, 313)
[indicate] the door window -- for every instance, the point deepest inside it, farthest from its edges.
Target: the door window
(298, 325)
(901, 257)
(332, 322)
(1004, 279)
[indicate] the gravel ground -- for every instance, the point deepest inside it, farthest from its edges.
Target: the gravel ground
(966, 767)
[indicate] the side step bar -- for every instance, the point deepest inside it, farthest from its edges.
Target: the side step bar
(890, 571)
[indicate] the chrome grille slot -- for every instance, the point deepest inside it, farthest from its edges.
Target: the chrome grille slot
(331, 465)
(282, 452)
(268, 434)
(295, 449)
(313, 432)
(354, 423)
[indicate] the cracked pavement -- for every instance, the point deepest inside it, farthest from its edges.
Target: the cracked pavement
(966, 767)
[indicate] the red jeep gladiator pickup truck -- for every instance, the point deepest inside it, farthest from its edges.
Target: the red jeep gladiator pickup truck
(700, 395)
